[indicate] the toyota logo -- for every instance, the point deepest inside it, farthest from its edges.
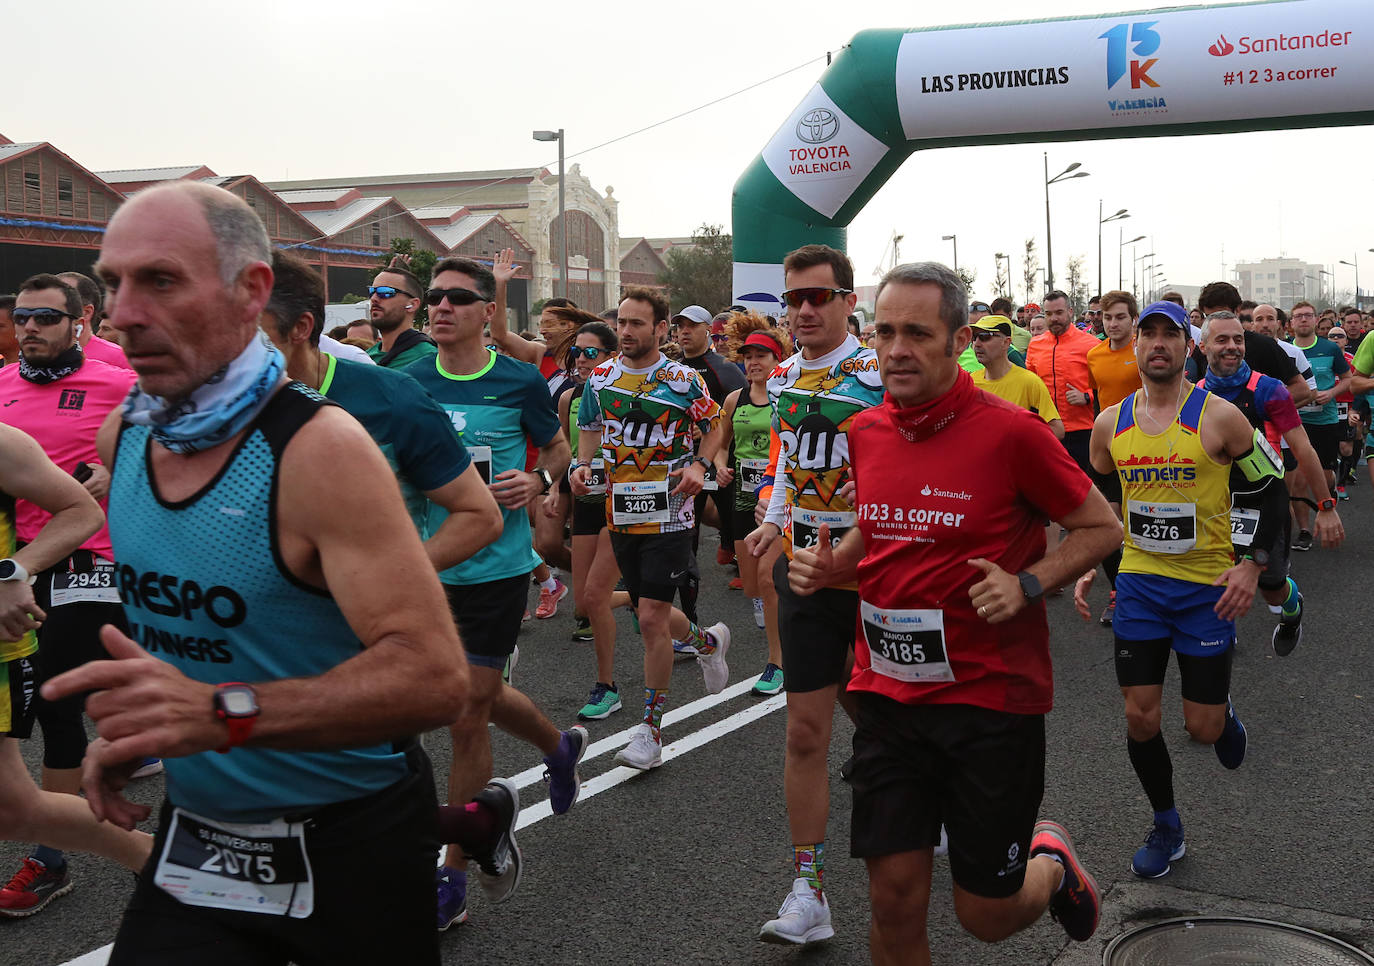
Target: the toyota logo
(818, 125)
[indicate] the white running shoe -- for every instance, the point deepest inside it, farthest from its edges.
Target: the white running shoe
(714, 671)
(758, 613)
(802, 919)
(643, 752)
(943, 847)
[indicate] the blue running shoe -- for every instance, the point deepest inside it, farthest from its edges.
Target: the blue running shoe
(1230, 747)
(1164, 844)
(560, 771)
(452, 887)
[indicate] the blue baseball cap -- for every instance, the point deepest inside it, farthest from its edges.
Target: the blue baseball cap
(1174, 312)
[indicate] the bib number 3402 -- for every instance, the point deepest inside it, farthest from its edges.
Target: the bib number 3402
(643, 502)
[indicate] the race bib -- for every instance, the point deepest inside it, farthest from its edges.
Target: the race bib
(806, 526)
(906, 645)
(709, 481)
(1343, 410)
(594, 477)
(1162, 527)
(96, 587)
(1244, 523)
(751, 474)
(644, 502)
(258, 867)
(481, 458)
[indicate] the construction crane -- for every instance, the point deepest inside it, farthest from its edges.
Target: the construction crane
(894, 245)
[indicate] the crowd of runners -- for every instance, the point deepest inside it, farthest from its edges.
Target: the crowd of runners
(897, 498)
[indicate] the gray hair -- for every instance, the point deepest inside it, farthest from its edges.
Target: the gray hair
(240, 237)
(953, 294)
(1206, 327)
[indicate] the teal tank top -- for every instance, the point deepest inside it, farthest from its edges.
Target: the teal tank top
(752, 425)
(205, 589)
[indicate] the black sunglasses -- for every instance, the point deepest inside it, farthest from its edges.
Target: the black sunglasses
(455, 296)
(986, 335)
(590, 351)
(41, 316)
(386, 291)
(816, 296)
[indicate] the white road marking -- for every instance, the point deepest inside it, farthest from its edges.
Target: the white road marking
(595, 786)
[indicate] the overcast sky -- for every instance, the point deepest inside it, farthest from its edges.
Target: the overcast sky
(305, 89)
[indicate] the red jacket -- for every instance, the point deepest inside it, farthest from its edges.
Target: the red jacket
(1062, 361)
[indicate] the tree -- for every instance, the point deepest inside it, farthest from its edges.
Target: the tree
(702, 274)
(1001, 283)
(420, 263)
(1078, 286)
(968, 276)
(1030, 269)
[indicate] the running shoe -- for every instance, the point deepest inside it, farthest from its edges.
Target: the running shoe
(1163, 844)
(452, 887)
(32, 888)
(526, 617)
(803, 918)
(149, 768)
(643, 752)
(603, 702)
(560, 770)
(714, 671)
(942, 846)
(724, 555)
(1288, 633)
(1303, 541)
(1230, 747)
(509, 670)
(548, 600)
(1077, 905)
(1341, 494)
(499, 870)
(736, 583)
(759, 621)
(582, 629)
(1109, 612)
(683, 649)
(770, 681)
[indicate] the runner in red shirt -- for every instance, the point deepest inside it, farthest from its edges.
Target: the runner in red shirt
(951, 666)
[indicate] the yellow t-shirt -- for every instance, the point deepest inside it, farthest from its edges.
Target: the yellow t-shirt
(1020, 387)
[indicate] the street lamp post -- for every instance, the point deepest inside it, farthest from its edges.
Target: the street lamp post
(998, 259)
(1136, 271)
(562, 186)
(1100, 222)
(1356, 266)
(1313, 278)
(1121, 247)
(1049, 245)
(955, 239)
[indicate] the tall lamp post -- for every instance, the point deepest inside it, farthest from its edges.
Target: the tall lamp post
(1049, 245)
(1121, 247)
(955, 239)
(562, 212)
(1356, 266)
(1100, 222)
(998, 259)
(1136, 270)
(1333, 285)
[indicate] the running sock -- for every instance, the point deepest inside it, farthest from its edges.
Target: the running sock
(1290, 606)
(53, 860)
(1275, 609)
(1112, 565)
(809, 863)
(702, 641)
(551, 584)
(1155, 769)
(654, 700)
(472, 827)
(1169, 817)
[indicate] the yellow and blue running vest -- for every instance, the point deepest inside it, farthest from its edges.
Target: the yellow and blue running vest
(26, 645)
(1176, 500)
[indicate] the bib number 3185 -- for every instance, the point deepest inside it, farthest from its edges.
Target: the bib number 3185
(908, 645)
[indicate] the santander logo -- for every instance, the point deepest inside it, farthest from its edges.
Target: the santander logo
(1222, 47)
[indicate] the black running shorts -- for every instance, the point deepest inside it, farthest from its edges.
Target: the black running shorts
(978, 772)
(18, 691)
(817, 632)
(1204, 680)
(489, 616)
(655, 566)
(588, 518)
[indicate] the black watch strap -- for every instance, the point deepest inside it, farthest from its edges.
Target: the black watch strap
(1030, 586)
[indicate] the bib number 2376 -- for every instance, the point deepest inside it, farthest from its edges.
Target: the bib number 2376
(1162, 527)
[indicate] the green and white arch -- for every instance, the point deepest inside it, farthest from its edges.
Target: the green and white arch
(1275, 64)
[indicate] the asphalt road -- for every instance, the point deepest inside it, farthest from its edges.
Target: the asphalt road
(682, 865)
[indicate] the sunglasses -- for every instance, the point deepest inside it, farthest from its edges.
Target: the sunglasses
(987, 335)
(386, 291)
(589, 351)
(978, 307)
(455, 296)
(816, 296)
(41, 316)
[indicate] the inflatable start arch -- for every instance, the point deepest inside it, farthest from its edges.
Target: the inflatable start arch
(1276, 64)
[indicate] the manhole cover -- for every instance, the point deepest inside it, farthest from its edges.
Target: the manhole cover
(1227, 941)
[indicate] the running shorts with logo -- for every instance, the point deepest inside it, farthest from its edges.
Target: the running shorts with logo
(815, 402)
(645, 417)
(495, 410)
(1177, 508)
(951, 708)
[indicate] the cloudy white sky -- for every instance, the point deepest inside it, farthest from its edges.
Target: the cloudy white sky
(303, 88)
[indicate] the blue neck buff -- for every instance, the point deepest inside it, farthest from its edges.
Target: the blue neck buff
(217, 409)
(1234, 381)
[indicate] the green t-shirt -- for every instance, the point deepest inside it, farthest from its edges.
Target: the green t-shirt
(419, 347)
(752, 425)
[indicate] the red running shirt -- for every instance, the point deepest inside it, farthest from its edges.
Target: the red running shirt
(982, 486)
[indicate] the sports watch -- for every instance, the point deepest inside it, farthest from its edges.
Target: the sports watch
(11, 570)
(1030, 586)
(236, 704)
(545, 478)
(1260, 557)
(1327, 504)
